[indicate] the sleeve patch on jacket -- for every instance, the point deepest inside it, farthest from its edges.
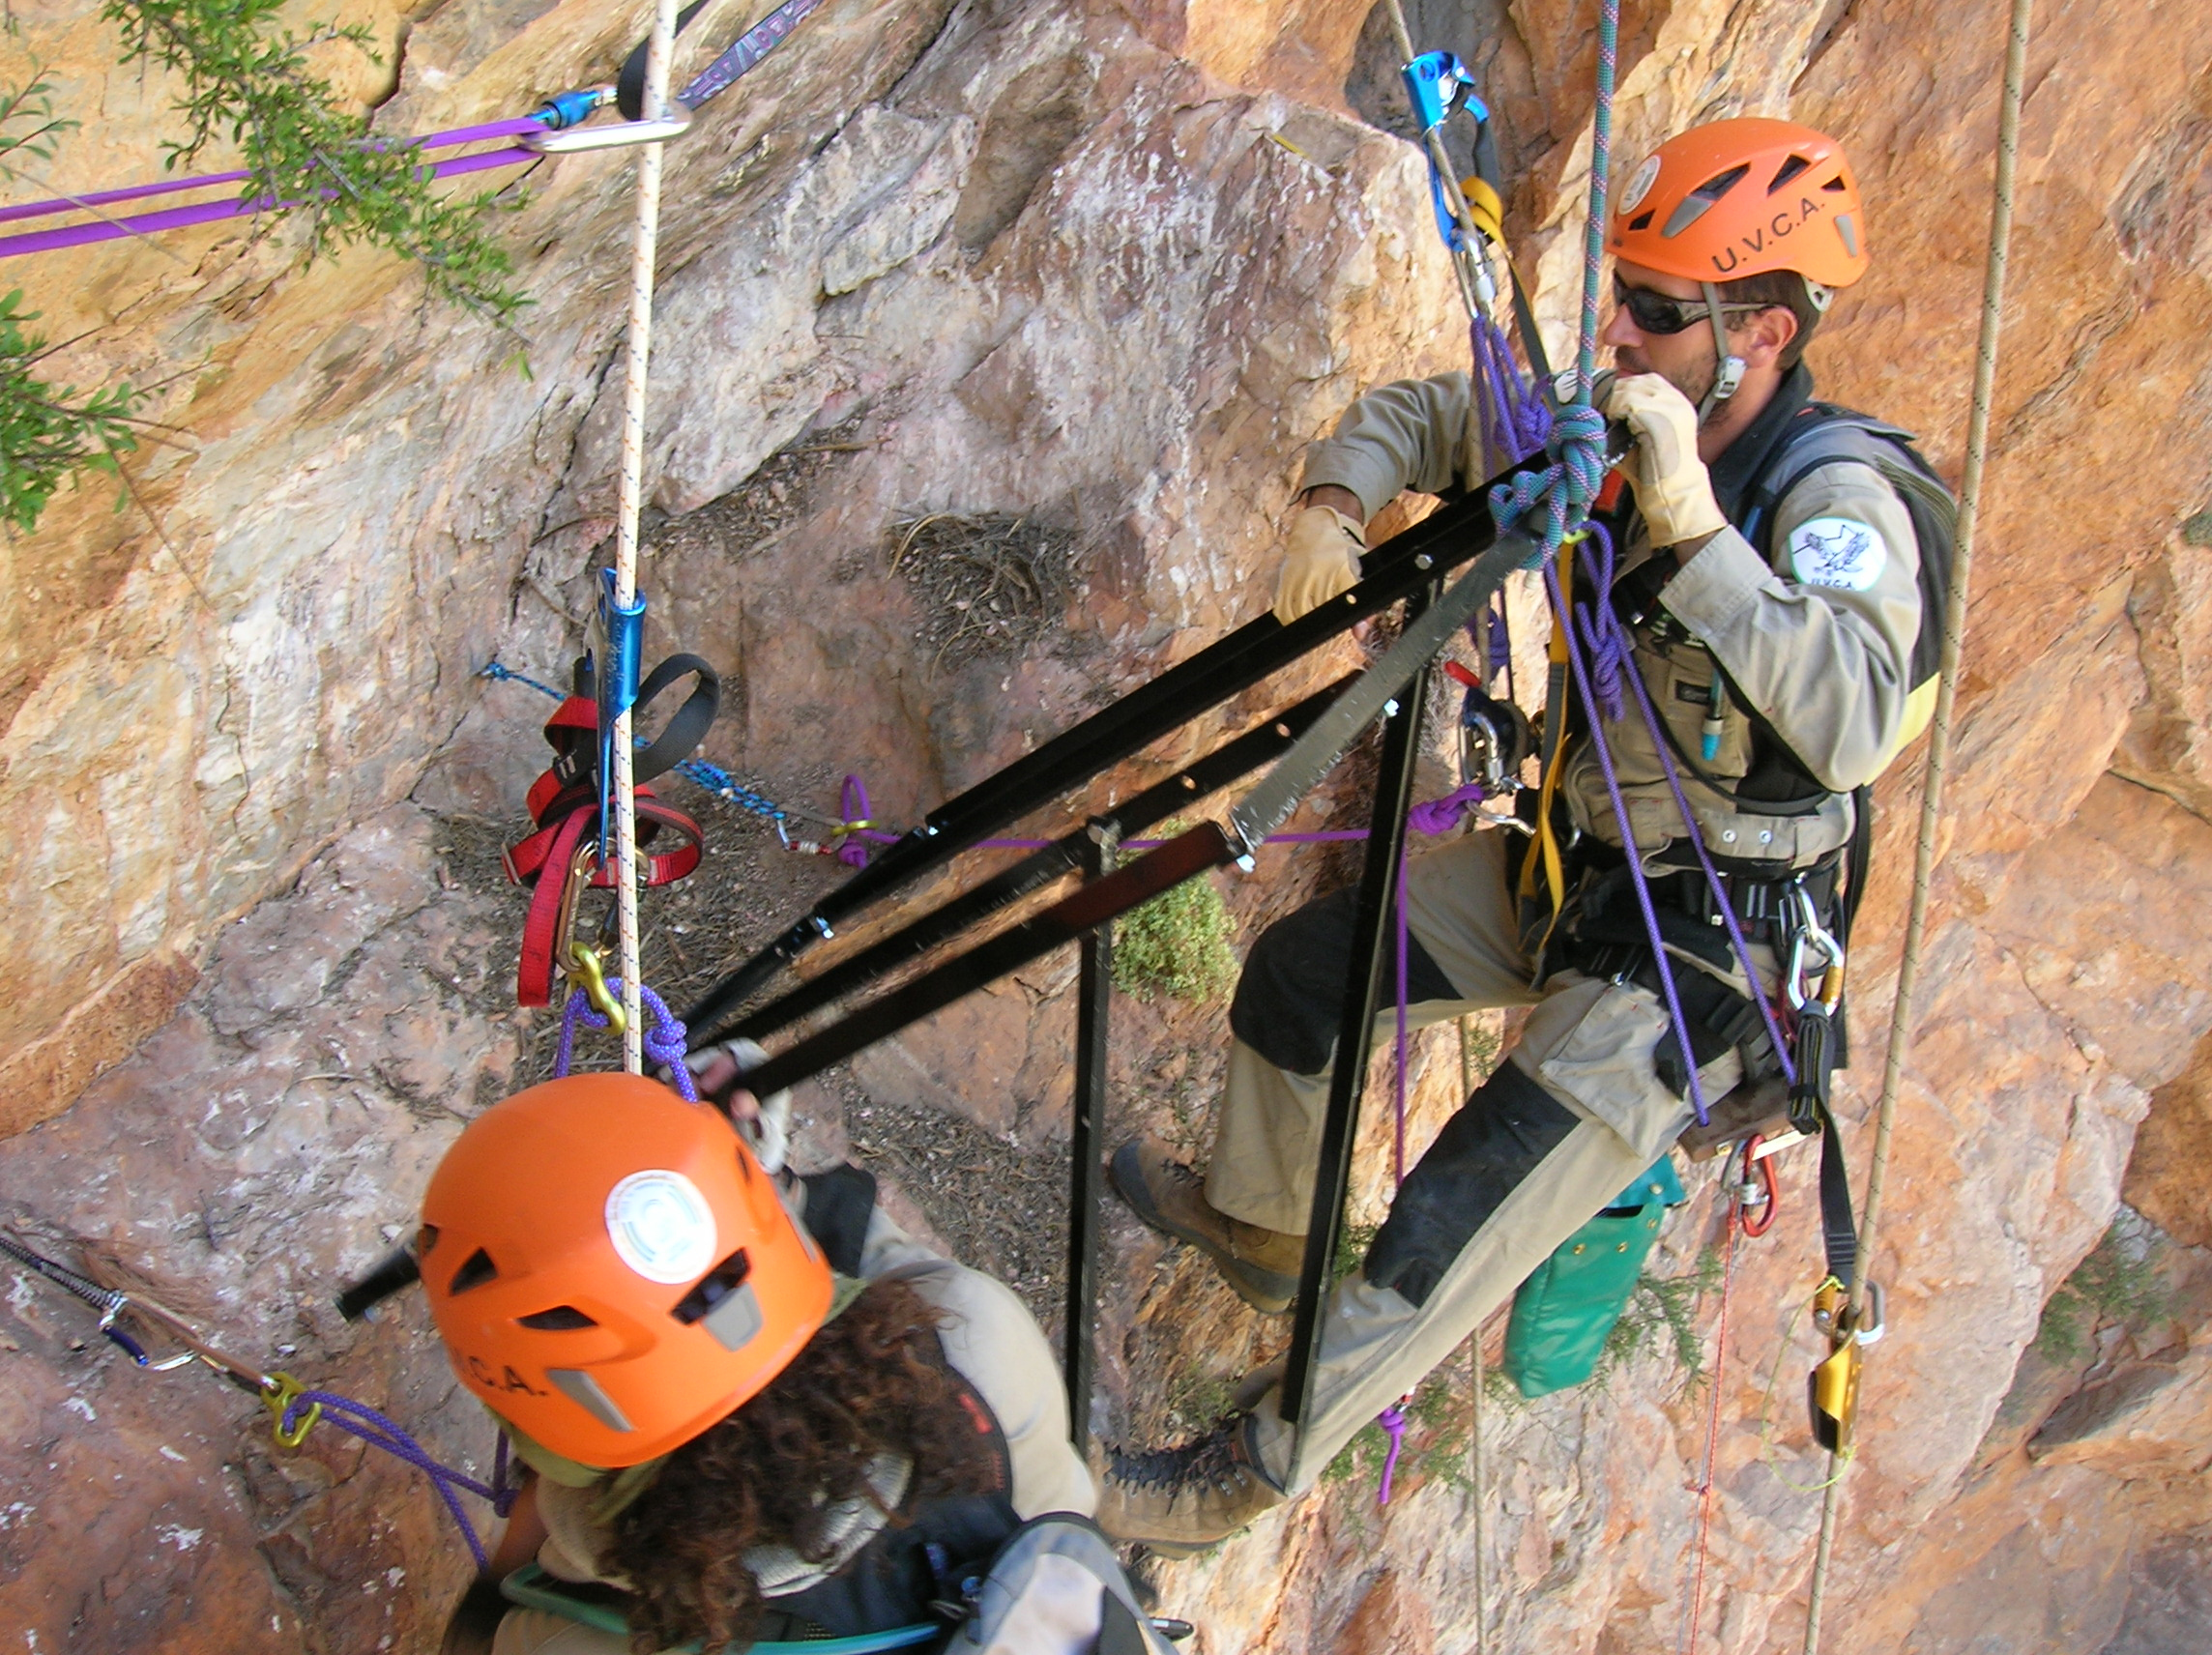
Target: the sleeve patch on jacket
(1837, 551)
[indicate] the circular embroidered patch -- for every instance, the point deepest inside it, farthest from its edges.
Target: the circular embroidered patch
(1639, 187)
(1837, 551)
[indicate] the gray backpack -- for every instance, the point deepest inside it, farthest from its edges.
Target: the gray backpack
(1057, 1588)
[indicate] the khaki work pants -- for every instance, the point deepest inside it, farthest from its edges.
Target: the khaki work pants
(1587, 1043)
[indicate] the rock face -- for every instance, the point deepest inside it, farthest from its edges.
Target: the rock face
(1102, 268)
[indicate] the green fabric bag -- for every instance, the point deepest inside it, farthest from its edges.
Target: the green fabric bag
(1565, 1309)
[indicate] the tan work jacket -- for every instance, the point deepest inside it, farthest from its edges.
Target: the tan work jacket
(1819, 642)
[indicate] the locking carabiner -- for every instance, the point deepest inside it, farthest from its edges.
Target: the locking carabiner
(1809, 934)
(586, 970)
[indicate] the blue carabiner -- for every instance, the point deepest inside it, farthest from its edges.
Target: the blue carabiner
(618, 670)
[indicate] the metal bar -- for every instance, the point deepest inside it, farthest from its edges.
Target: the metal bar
(1156, 804)
(1400, 565)
(1354, 1034)
(1093, 1006)
(1205, 846)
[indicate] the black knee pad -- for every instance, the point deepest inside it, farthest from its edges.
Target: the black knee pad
(1496, 1139)
(1290, 998)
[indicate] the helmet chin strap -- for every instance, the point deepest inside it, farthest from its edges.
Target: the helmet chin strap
(1728, 369)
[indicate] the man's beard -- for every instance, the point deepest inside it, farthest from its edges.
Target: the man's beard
(1694, 386)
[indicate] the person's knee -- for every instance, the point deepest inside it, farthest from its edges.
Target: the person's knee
(1290, 997)
(1483, 1154)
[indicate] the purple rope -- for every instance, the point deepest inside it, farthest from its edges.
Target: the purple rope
(1518, 418)
(1392, 1420)
(1612, 662)
(1633, 856)
(1727, 909)
(210, 212)
(1442, 815)
(358, 1419)
(664, 1041)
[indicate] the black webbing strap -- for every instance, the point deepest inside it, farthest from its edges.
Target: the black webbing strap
(1839, 1230)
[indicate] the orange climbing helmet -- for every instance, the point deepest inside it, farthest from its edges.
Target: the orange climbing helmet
(1742, 197)
(610, 1268)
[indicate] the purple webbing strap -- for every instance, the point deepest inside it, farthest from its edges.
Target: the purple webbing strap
(358, 1419)
(210, 212)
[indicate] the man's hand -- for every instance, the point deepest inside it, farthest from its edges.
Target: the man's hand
(766, 1122)
(1321, 560)
(1672, 488)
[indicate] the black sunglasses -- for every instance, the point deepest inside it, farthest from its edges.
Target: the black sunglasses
(1655, 313)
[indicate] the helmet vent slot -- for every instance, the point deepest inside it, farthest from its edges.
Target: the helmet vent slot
(1791, 168)
(561, 1319)
(474, 1272)
(719, 1283)
(1642, 221)
(1836, 183)
(1699, 201)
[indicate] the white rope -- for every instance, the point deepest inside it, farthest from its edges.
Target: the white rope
(631, 500)
(1938, 747)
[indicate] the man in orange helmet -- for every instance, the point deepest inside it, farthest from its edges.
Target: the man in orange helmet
(1769, 567)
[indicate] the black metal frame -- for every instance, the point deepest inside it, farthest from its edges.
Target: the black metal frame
(1371, 930)
(1409, 567)
(1404, 563)
(1094, 1005)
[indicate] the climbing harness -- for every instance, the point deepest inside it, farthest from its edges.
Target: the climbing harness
(558, 127)
(1855, 1305)
(294, 1408)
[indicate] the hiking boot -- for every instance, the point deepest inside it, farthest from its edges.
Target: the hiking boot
(1181, 1500)
(1262, 1264)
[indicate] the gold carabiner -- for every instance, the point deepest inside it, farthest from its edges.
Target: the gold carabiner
(585, 971)
(278, 1392)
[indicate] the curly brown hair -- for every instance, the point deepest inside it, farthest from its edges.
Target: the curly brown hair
(870, 1382)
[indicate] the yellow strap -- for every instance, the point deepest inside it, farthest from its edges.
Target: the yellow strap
(1547, 842)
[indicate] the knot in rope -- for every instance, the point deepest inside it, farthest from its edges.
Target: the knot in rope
(1566, 487)
(664, 1041)
(1602, 633)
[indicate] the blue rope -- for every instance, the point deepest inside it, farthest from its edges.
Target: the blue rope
(1567, 487)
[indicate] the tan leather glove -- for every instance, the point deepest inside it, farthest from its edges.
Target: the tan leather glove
(1672, 488)
(1321, 558)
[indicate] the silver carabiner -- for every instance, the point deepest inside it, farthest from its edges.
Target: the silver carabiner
(615, 135)
(1808, 932)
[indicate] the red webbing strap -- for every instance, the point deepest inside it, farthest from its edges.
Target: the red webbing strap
(542, 862)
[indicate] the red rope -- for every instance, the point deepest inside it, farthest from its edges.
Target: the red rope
(1689, 1643)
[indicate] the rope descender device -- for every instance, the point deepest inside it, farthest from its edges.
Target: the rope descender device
(278, 1393)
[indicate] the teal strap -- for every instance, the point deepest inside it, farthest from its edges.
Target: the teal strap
(532, 1587)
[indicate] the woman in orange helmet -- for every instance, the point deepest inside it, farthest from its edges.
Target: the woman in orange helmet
(751, 1406)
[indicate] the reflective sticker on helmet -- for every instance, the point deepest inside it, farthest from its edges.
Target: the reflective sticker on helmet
(662, 1226)
(1639, 187)
(1837, 551)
